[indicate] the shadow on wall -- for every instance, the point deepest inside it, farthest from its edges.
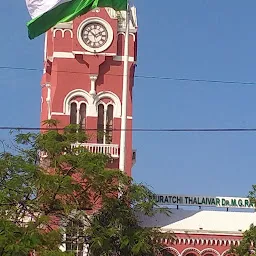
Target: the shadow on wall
(161, 219)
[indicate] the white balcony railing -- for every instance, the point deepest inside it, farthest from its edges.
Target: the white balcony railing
(106, 149)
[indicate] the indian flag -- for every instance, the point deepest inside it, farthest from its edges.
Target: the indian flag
(47, 13)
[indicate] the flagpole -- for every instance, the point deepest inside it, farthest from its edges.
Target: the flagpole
(122, 157)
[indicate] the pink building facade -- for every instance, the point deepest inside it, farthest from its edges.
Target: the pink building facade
(202, 232)
(83, 79)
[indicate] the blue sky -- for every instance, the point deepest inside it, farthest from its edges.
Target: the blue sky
(181, 39)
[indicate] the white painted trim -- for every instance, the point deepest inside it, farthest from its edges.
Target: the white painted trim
(210, 250)
(63, 245)
(205, 241)
(63, 31)
(91, 53)
(225, 252)
(58, 114)
(130, 34)
(105, 109)
(116, 102)
(199, 242)
(78, 106)
(63, 55)
(45, 52)
(48, 100)
(68, 25)
(71, 55)
(132, 30)
(105, 105)
(172, 250)
(92, 102)
(129, 117)
(105, 24)
(121, 33)
(105, 125)
(204, 232)
(122, 58)
(192, 249)
(93, 78)
(122, 158)
(133, 36)
(133, 17)
(42, 101)
(79, 92)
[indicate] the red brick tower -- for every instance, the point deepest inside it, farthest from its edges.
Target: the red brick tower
(83, 79)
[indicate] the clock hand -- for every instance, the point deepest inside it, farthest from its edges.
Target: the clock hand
(99, 33)
(94, 36)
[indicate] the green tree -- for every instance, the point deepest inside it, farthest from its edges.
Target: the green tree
(48, 181)
(115, 229)
(246, 248)
(247, 245)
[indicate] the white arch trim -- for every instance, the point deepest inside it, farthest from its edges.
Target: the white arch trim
(130, 34)
(63, 31)
(76, 93)
(192, 249)
(215, 241)
(78, 103)
(210, 250)
(114, 98)
(92, 102)
(188, 250)
(225, 253)
(104, 104)
(173, 250)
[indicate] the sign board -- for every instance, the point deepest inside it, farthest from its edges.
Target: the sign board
(207, 201)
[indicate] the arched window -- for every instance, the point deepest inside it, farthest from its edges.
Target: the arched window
(78, 114)
(167, 252)
(73, 113)
(75, 238)
(209, 252)
(82, 116)
(109, 124)
(100, 125)
(191, 254)
(105, 123)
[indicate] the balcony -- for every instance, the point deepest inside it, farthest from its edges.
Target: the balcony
(106, 149)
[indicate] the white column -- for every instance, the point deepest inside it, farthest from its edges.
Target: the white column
(93, 79)
(48, 100)
(124, 95)
(45, 52)
(78, 113)
(105, 123)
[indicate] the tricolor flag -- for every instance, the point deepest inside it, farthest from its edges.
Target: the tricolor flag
(47, 13)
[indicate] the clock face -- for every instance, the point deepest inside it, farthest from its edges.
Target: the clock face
(94, 35)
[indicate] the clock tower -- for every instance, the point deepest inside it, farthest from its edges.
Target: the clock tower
(83, 80)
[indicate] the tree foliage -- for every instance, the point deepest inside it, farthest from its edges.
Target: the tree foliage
(115, 229)
(246, 248)
(247, 245)
(48, 180)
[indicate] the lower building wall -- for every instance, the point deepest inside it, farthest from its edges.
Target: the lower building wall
(201, 244)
